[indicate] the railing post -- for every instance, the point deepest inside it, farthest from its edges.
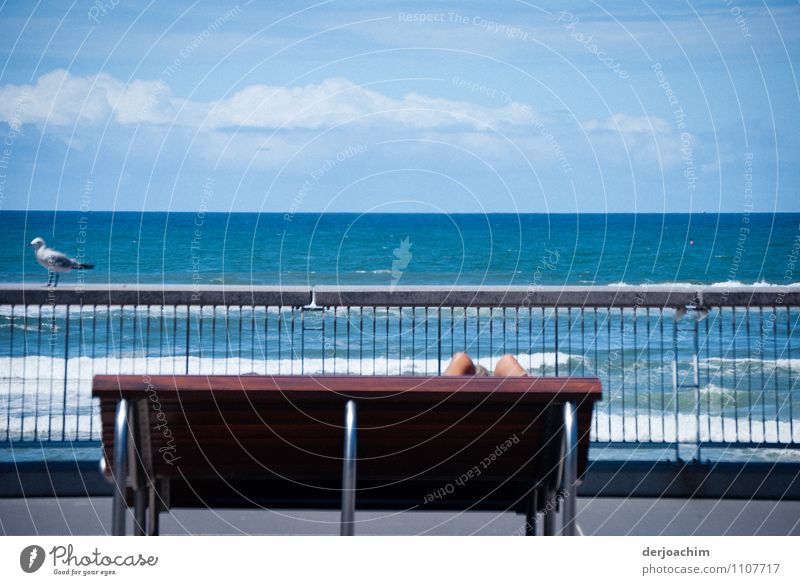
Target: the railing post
(349, 470)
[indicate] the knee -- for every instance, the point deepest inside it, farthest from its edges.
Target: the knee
(507, 359)
(459, 356)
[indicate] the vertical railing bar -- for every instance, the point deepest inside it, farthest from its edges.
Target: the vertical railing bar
(622, 366)
(213, 339)
(707, 344)
(675, 385)
(78, 385)
(25, 353)
(427, 343)
(635, 372)
(789, 355)
(38, 373)
(266, 338)
(735, 381)
(413, 338)
(583, 341)
(161, 326)
(302, 341)
(775, 372)
(596, 366)
(696, 366)
(335, 337)
(279, 325)
(134, 330)
(52, 390)
(530, 339)
(11, 381)
(387, 342)
(94, 345)
(252, 337)
(722, 353)
(610, 391)
(188, 330)
(649, 378)
(663, 405)
(399, 340)
(239, 356)
(147, 343)
(375, 338)
(569, 341)
(174, 350)
(439, 341)
(544, 345)
(749, 375)
(66, 375)
(361, 341)
(465, 330)
(557, 340)
(347, 353)
(761, 360)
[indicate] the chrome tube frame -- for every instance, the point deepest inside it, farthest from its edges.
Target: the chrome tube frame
(570, 470)
(349, 470)
(121, 433)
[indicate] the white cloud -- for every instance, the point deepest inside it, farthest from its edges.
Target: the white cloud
(59, 98)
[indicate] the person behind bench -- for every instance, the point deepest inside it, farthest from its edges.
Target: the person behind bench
(462, 365)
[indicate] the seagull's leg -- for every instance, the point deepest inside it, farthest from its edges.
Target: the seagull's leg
(49, 277)
(56, 284)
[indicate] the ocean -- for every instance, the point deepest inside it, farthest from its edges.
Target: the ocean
(730, 375)
(405, 249)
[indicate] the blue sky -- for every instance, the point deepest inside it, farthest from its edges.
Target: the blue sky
(403, 106)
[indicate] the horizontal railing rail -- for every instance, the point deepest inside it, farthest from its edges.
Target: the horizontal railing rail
(680, 365)
(407, 296)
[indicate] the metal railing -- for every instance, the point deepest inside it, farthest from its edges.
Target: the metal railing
(693, 365)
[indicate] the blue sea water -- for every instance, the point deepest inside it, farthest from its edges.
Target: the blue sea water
(405, 249)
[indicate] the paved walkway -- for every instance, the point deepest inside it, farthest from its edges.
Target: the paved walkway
(608, 516)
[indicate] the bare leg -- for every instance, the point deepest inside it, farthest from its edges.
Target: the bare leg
(509, 366)
(460, 365)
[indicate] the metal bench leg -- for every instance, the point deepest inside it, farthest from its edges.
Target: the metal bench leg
(570, 486)
(119, 505)
(550, 513)
(530, 515)
(349, 470)
(139, 511)
(152, 512)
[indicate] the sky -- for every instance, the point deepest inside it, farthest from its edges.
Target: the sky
(473, 107)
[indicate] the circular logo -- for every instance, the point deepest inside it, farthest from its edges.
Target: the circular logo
(31, 558)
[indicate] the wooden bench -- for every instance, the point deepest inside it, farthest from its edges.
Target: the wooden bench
(423, 443)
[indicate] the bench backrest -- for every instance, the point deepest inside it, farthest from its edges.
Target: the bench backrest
(420, 427)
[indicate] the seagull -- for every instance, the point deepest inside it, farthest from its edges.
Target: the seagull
(54, 261)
